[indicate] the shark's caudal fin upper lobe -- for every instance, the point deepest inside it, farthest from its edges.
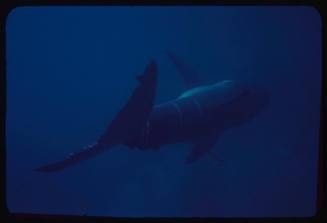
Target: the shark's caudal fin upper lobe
(134, 115)
(73, 159)
(128, 122)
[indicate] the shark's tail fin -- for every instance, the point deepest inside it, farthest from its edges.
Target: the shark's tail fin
(134, 115)
(73, 159)
(127, 124)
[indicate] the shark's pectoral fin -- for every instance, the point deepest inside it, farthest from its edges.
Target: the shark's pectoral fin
(202, 147)
(190, 78)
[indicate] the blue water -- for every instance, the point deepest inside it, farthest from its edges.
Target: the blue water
(71, 69)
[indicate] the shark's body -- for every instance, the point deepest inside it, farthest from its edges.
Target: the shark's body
(200, 115)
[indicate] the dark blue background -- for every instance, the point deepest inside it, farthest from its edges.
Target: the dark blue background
(71, 69)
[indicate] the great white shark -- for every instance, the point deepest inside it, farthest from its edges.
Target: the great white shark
(199, 116)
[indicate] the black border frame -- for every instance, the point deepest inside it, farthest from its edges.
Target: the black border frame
(5, 8)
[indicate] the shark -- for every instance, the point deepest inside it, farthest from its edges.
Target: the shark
(200, 115)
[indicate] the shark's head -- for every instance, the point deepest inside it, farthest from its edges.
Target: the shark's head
(239, 102)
